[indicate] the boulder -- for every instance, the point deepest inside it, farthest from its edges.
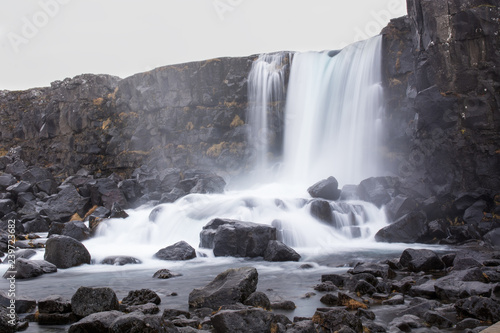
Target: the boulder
(54, 304)
(38, 224)
(283, 305)
(6, 206)
(119, 260)
(258, 299)
(105, 192)
(209, 183)
(178, 251)
(475, 213)
(96, 323)
(7, 318)
(236, 238)
(325, 189)
(41, 180)
(482, 308)
(406, 323)
(26, 269)
(421, 260)
(230, 287)
(330, 300)
(87, 301)
(399, 206)
(138, 322)
(16, 168)
(20, 187)
(492, 237)
(7, 180)
(375, 190)
(248, 320)
(164, 274)
(63, 205)
(337, 318)
(323, 211)
(74, 229)
(21, 306)
(140, 297)
(277, 251)
(410, 228)
(65, 252)
(375, 269)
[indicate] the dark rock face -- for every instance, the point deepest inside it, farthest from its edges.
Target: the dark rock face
(250, 320)
(410, 228)
(178, 251)
(236, 238)
(66, 252)
(229, 287)
(442, 83)
(97, 322)
(277, 251)
(421, 260)
(92, 300)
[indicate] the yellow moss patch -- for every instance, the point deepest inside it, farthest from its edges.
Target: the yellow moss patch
(216, 149)
(113, 94)
(98, 101)
(230, 104)
(189, 126)
(394, 82)
(75, 217)
(91, 210)
(236, 122)
(3, 152)
(135, 152)
(106, 123)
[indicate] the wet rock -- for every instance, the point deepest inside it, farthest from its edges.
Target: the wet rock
(277, 251)
(395, 300)
(130, 189)
(63, 205)
(474, 214)
(229, 287)
(66, 252)
(325, 189)
(249, 320)
(303, 326)
(74, 229)
(335, 319)
(465, 263)
(375, 190)
(399, 206)
(330, 300)
(326, 286)
(164, 274)
(283, 305)
(87, 301)
(148, 308)
(421, 260)
(178, 251)
(7, 180)
(56, 318)
(258, 299)
(41, 180)
(366, 314)
(336, 279)
(482, 308)
(209, 183)
(426, 290)
(105, 192)
(236, 238)
(364, 288)
(16, 168)
(54, 304)
(38, 224)
(350, 302)
(120, 260)
(20, 187)
(492, 237)
(375, 269)
(434, 318)
(22, 305)
(96, 322)
(406, 323)
(25, 254)
(26, 269)
(410, 228)
(468, 323)
(322, 210)
(139, 297)
(6, 207)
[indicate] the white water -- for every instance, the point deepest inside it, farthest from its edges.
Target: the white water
(333, 112)
(266, 89)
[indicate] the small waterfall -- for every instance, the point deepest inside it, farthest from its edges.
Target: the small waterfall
(266, 96)
(333, 114)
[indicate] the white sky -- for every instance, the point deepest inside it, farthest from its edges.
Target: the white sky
(46, 40)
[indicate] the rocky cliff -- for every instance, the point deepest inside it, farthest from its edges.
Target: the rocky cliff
(184, 116)
(442, 80)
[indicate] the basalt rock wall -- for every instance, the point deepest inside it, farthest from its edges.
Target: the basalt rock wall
(442, 80)
(184, 116)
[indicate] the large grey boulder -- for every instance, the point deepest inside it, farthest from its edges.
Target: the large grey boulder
(410, 228)
(178, 251)
(232, 286)
(236, 238)
(66, 252)
(325, 189)
(87, 301)
(249, 320)
(96, 323)
(278, 251)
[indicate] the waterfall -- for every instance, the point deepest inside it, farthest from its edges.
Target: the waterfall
(333, 114)
(266, 94)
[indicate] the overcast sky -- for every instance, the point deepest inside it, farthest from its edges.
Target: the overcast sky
(46, 40)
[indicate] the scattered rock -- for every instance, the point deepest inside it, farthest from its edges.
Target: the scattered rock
(66, 252)
(277, 251)
(325, 189)
(178, 251)
(421, 260)
(283, 305)
(411, 228)
(96, 322)
(54, 304)
(335, 319)
(120, 260)
(88, 300)
(248, 320)
(258, 299)
(140, 297)
(164, 274)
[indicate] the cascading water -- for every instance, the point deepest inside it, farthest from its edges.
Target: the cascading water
(266, 94)
(332, 109)
(333, 112)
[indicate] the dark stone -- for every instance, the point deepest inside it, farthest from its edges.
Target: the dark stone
(120, 260)
(63, 205)
(105, 192)
(375, 190)
(25, 254)
(130, 189)
(97, 322)
(465, 263)
(148, 308)
(258, 299)
(170, 314)
(248, 320)
(303, 326)
(474, 214)
(364, 288)
(395, 300)
(229, 287)
(236, 238)
(88, 300)
(493, 237)
(7, 180)
(178, 251)
(56, 318)
(16, 168)
(164, 274)
(434, 318)
(20, 187)
(366, 314)
(41, 180)
(322, 210)
(375, 269)
(277, 251)
(410, 228)
(406, 323)
(38, 224)
(140, 297)
(26, 269)
(326, 286)
(468, 323)
(350, 303)
(448, 259)
(399, 206)
(21, 306)
(335, 319)
(421, 260)
(66, 252)
(6, 207)
(210, 183)
(54, 304)
(74, 229)
(330, 300)
(336, 279)
(325, 189)
(482, 308)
